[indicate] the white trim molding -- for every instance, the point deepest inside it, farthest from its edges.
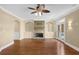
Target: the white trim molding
(67, 12)
(5, 46)
(70, 45)
(10, 13)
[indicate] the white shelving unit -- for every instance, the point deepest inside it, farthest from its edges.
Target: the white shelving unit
(39, 28)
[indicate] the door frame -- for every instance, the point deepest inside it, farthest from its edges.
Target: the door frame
(59, 23)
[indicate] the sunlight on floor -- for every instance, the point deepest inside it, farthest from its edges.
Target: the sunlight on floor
(60, 48)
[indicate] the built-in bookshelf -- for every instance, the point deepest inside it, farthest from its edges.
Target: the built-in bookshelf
(39, 27)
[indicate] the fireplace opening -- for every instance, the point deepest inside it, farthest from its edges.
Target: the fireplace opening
(38, 34)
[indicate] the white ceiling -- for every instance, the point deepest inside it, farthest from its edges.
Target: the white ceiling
(21, 10)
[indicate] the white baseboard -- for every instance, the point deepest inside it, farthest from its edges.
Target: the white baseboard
(6, 46)
(72, 46)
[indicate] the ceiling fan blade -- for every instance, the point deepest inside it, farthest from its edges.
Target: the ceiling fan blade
(33, 12)
(38, 5)
(45, 11)
(31, 8)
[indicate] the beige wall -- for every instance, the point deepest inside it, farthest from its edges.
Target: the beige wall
(17, 26)
(17, 30)
(72, 28)
(29, 28)
(6, 28)
(50, 29)
(22, 30)
(9, 27)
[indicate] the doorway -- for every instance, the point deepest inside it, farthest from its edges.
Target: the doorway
(61, 30)
(58, 30)
(17, 30)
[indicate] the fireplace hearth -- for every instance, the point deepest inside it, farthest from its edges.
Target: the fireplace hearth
(38, 34)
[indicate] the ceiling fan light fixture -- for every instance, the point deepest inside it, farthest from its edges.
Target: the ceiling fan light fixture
(39, 10)
(38, 14)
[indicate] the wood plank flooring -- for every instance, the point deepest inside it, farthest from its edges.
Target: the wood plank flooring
(39, 47)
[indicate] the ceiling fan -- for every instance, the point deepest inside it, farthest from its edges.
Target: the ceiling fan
(39, 10)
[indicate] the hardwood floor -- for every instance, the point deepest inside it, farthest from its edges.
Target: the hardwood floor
(39, 47)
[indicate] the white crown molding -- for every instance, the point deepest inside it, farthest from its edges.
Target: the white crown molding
(5, 46)
(72, 46)
(10, 13)
(67, 12)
